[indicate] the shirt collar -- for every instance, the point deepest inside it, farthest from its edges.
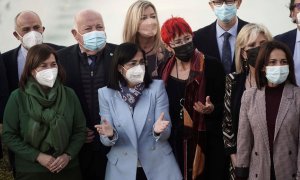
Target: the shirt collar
(23, 51)
(232, 30)
(298, 35)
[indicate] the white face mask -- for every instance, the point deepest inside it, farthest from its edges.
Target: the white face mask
(47, 77)
(31, 38)
(298, 19)
(277, 74)
(135, 75)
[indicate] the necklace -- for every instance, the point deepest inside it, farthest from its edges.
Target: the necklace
(149, 50)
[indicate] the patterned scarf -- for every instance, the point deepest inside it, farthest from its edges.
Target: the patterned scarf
(131, 95)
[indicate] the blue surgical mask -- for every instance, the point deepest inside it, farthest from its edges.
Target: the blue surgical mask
(225, 13)
(94, 40)
(277, 74)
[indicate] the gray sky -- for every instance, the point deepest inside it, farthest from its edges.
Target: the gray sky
(57, 16)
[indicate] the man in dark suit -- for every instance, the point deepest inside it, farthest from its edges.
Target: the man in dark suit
(292, 38)
(3, 95)
(210, 41)
(87, 65)
(28, 30)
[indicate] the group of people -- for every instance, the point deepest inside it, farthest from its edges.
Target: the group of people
(168, 103)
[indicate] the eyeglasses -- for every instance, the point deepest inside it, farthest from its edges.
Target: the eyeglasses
(220, 3)
(179, 42)
(296, 5)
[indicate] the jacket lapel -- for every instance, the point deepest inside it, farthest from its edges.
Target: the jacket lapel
(260, 107)
(141, 111)
(287, 96)
(124, 117)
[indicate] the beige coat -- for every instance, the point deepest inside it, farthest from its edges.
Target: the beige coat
(253, 150)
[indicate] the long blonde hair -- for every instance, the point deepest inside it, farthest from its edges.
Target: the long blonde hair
(248, 34)
(132, 22)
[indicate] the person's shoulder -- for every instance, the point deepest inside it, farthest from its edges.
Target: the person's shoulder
(242, 22)
(67, 50)
(285, 34)
(9, 53)
(156, 84)
(55, 46)
(206, 29)
(108, 92)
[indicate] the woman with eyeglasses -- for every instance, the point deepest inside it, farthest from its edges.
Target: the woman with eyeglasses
(195, 87)
(43, 122)
(135, 120)
(248, 43)
(269, 126)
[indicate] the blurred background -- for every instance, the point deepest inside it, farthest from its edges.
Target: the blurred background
(57, 16)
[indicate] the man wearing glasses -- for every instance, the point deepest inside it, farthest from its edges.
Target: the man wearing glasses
(218, 40)
(292, 38)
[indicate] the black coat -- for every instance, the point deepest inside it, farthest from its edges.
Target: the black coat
(69, 58)
(3, 88)
(289, 38)
(205, 40)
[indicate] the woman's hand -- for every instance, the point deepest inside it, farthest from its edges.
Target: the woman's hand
(204, 109)
(45, 160)
(105, 129)
(60, 163)
(161, 124)
(233, 160)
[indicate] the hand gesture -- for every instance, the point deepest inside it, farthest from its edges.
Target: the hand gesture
(90, 136)
(204, 109)
(105, 129)
(161, 124)
(45, 160)
(60, 163)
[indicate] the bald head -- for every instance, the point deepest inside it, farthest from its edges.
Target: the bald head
(27, 21)
(88, 17)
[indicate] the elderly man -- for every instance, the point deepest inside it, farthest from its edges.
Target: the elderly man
(292, 38)
(87, 65)
(28, 30)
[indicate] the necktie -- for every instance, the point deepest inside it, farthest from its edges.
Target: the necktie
(93, 61)
(226, 53)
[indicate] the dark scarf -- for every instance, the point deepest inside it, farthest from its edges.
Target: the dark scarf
(195, 87)
(47, 128)
(131, 95)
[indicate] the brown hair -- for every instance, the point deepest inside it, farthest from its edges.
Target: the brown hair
(263, 60)
(35, 56)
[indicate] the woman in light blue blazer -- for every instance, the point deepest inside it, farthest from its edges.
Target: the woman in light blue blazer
(135, 120)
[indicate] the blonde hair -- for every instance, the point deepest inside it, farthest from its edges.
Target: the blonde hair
(247, 34)
(132, 22)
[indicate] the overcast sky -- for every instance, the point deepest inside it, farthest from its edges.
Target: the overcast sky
(57, 16)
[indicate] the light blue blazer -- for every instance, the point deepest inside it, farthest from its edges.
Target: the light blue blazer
(134, 139)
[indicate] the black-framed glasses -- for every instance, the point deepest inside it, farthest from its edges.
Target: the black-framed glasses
(296, 5)
(220, 3)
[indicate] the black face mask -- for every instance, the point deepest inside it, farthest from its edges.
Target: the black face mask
(185, 51)
(252, 55)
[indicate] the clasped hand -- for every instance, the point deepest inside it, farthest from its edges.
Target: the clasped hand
(55, 165)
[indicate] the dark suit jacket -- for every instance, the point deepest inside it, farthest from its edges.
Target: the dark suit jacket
(289, 38)
(70, 60)
(205, 40)
(10, 59)
(3, 88)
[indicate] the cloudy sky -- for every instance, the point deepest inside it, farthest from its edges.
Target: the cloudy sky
(57, 16)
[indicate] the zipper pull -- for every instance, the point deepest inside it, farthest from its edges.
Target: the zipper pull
(92, 73)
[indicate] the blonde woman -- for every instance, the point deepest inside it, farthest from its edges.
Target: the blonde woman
(142, 28)
(248, 44)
